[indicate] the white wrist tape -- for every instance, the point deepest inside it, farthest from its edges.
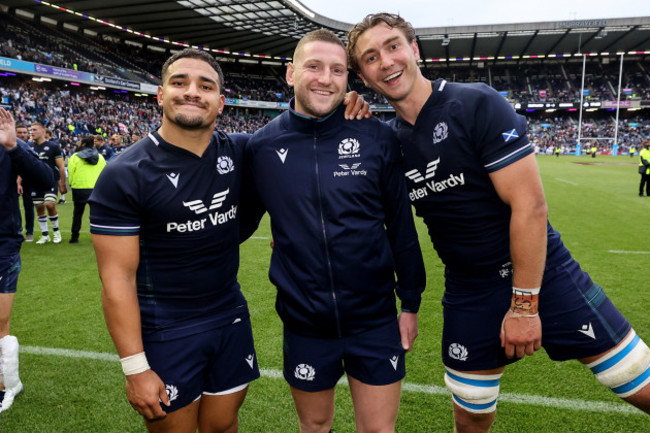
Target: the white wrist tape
(526, 291)
(134, 364)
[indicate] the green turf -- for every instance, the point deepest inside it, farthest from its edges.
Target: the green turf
(595, 207)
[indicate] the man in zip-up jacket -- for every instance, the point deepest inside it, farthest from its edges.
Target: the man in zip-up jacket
(16, 159)
(342, 228)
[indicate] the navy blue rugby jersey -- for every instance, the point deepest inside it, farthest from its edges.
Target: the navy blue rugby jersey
(463, 133)
(48, 152)
(184, 208)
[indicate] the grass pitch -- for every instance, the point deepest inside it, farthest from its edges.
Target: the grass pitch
(73, 382)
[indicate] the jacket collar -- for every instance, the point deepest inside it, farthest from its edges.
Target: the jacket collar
(324, 125)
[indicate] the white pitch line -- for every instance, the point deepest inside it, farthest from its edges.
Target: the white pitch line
(628, 252)
(533, 400)
(567, 181)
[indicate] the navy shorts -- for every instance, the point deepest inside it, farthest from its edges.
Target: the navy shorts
(578, 319)
(375, 357)
(40, 196)
(9, 269)
(209, 362)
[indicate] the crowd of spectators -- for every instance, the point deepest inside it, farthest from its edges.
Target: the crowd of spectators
(32, 45)
(71, 112)
(521, 82)
(562, 131)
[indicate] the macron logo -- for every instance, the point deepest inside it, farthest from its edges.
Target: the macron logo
(173, 178)
(588, 330)
(282, 153)
(394, 361)
(250, 359)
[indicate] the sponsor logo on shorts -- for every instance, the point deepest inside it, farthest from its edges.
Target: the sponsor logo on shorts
(458, 351)
(172, 392)
(250, 360)
(305, 372)
(393, 361)
(506, 270)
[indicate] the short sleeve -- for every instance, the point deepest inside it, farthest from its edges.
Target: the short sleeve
(114, 202)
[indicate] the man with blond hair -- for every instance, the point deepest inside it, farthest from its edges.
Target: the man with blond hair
(342, 229)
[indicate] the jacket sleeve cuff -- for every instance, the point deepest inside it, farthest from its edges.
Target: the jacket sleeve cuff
(410, 305)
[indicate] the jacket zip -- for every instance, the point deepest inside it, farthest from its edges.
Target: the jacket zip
(327, 252)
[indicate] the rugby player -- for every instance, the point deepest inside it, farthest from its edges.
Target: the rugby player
(342, 228)
(164, 222)
(24, 190)
(45, 199)
(511, 284)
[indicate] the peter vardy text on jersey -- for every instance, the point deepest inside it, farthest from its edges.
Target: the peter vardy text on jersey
(451, 182)
(215, 219)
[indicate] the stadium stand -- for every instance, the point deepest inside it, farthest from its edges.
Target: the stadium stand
(70, 109)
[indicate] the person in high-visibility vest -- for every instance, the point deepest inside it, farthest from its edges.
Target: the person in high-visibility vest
(644, 169)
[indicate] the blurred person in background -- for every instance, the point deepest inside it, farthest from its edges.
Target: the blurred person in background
(16, 159)
(22, 132)
(644, 170)
(84, 167)
(104, 149)
(45, 199)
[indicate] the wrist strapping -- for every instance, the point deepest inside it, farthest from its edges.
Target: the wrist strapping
(134, 364)
(525, 301)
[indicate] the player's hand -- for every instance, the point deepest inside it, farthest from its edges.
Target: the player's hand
(20, 189)
(408, 329)
(7, 130)
(62, 187)
(356, 107)
(145, 391)
(520, 335)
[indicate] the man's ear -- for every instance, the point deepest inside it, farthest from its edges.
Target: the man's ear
(363, 79)
(160, 97)
(289, 76)
(416, 49)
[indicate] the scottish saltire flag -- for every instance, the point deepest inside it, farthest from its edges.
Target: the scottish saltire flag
(510, 135)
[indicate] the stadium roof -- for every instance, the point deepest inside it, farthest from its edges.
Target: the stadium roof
(270, 29)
